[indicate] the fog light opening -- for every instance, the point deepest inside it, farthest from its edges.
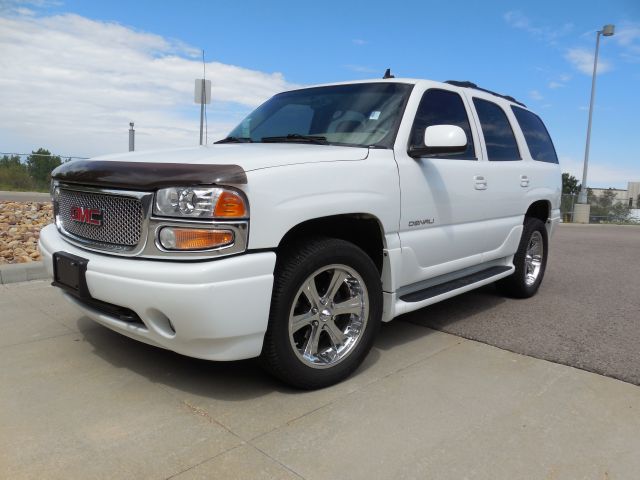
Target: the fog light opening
(160, 323)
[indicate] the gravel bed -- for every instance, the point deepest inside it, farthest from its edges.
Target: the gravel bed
(20, 225)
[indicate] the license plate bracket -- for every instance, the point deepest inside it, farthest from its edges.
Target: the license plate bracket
(69, 273)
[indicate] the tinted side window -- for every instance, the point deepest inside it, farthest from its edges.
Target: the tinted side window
(536, 135)
(441, 107)
(497, 132)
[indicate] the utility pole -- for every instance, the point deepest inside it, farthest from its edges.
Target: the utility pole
(132, 137)
(202, 95)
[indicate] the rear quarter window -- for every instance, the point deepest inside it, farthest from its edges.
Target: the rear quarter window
(536, 134)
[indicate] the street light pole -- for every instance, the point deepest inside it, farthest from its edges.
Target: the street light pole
(607, 31)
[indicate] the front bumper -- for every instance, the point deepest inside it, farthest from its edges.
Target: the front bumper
(215, 310)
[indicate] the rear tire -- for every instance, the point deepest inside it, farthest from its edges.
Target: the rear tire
(326, 309)
(530, 261)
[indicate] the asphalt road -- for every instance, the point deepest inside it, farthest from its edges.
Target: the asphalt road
(586, 313)
(6, 196)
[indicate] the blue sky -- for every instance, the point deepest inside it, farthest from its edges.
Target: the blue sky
(137, 60)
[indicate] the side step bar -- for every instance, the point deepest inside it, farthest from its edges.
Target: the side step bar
(456, 284)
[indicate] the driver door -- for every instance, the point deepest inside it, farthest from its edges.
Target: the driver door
(443, 199)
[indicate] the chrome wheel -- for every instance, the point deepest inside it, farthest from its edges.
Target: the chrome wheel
(328, 316)
(533, 258)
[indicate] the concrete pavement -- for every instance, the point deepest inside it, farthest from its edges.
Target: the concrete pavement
(79, 401)
(11, 196)
(22, 272)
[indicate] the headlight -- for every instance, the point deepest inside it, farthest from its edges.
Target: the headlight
(200, 202)
(54, 190)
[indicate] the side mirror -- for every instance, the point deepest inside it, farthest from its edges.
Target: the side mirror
(441, 140)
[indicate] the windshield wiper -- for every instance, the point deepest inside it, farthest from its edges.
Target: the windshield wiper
(296, 137)
(235, 140)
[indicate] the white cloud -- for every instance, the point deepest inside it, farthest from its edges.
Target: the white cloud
(628, 34)
(536, 95)
(582, 59)
(359, 42)
(361, 69)
(600, 175)
(550, 34)
(72, 85)
(628, 37)
(560, 81)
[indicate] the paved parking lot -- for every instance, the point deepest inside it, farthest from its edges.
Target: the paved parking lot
(79, 401)
(587, 313)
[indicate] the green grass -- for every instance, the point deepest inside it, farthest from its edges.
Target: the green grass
(12, 188)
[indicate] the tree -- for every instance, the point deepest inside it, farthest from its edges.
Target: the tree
(40, 164)
(570, 188)
(14, 174)
(570, 185)
(607, 208)
(10, 161)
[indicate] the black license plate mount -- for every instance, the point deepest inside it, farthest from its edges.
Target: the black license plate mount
(69, 273)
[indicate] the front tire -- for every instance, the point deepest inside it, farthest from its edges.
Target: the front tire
(530, 261)
(325, 312)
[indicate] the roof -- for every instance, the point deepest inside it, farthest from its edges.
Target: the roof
(413, 81)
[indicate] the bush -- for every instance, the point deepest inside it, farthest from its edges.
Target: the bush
(34, 174)
(14, 174)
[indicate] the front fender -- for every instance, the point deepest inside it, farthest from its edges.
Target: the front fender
(281, 198)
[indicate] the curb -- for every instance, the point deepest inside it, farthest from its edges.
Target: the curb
(22, 272)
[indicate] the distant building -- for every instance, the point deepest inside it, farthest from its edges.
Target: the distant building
(630, 197)
(634, 194)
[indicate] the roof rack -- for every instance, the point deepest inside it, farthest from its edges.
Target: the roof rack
(467, 84)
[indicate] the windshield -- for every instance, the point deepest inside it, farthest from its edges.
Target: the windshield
(366, 114)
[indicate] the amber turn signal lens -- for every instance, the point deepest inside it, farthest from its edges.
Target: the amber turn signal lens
(173, 238)
(230, 205)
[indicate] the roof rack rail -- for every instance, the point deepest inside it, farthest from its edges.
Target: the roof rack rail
(467, 84)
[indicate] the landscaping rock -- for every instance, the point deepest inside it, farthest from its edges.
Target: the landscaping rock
(20, 224)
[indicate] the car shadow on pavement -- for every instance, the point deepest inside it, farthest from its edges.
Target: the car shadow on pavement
(241, 380)
(238, 380)
(442, 315)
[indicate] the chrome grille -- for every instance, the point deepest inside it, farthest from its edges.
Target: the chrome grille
(121, 217)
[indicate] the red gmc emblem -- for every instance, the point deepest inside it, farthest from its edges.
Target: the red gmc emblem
(92, 216)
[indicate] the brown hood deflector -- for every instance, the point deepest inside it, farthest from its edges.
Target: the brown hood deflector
(146, 176)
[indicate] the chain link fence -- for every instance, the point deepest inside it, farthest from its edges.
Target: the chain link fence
(608, 207)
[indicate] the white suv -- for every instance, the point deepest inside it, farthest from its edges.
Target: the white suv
(325, 212)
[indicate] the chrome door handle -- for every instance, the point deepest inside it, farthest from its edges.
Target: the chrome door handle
(524, 181)
(480, 183)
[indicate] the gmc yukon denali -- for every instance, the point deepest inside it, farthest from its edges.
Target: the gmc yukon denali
(325, 212)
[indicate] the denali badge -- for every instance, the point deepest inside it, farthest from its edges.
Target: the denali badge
(92, 216)
(417, 223)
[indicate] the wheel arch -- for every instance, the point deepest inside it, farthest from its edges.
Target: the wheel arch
(361, 229)
(540, 209)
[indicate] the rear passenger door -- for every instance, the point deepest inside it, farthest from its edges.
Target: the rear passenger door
(544, 171)
(507, 176)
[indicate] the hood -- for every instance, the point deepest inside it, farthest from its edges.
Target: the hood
(217, 164)
(249, 156)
